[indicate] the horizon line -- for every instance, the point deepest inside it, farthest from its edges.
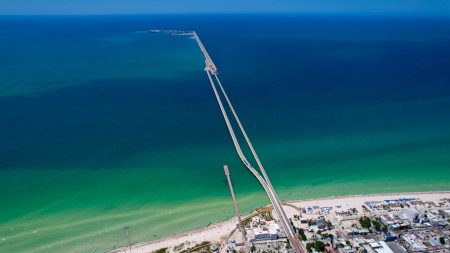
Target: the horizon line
(287, 13)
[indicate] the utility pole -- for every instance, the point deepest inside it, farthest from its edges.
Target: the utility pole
(241, 227)
(128, 235)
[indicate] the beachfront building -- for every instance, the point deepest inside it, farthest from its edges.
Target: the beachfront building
(356, 231)
(424, 240)
(390, 236)
(397, 222)
(270, 231)
(378, 247)
(412, 214)
(445, 213)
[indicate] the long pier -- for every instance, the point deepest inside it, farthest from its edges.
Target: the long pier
(236, 207)
(264, 180)
(210, 66)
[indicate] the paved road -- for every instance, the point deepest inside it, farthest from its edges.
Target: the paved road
(211, 70)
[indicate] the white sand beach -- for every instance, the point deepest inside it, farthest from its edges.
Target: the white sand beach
(214, 232)
(218, 232)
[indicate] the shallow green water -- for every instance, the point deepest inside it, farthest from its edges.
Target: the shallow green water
(102, 127)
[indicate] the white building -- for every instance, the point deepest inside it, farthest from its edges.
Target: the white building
(412, 214)
(378, 247)
(267, 232)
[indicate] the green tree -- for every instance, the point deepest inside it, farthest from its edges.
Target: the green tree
(442, 240)
(377, 225)
(329, 225)
(316, 245)
(310, 246)
(301, 232)
(328, 236)
(349, 243)
(320, 246)
(303, 237)
(163, 250)
(365, 222)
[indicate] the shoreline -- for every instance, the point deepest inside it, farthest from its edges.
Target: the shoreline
(367, 195)
(220, 230)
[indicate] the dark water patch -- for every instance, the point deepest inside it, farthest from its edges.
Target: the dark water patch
(99, 124)
(334, 105)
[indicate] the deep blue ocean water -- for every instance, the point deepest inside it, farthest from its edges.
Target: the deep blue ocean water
(102, 125)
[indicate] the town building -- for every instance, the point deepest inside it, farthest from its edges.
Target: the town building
(270, 231)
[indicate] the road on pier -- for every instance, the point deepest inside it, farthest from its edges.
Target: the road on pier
(264, 180)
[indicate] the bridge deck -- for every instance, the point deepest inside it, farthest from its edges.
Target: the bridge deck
(211, 70)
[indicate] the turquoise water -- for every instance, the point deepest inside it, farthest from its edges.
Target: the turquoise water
(103, 126)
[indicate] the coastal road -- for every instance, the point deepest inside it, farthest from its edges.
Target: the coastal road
(211, 70)
(249, 143)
